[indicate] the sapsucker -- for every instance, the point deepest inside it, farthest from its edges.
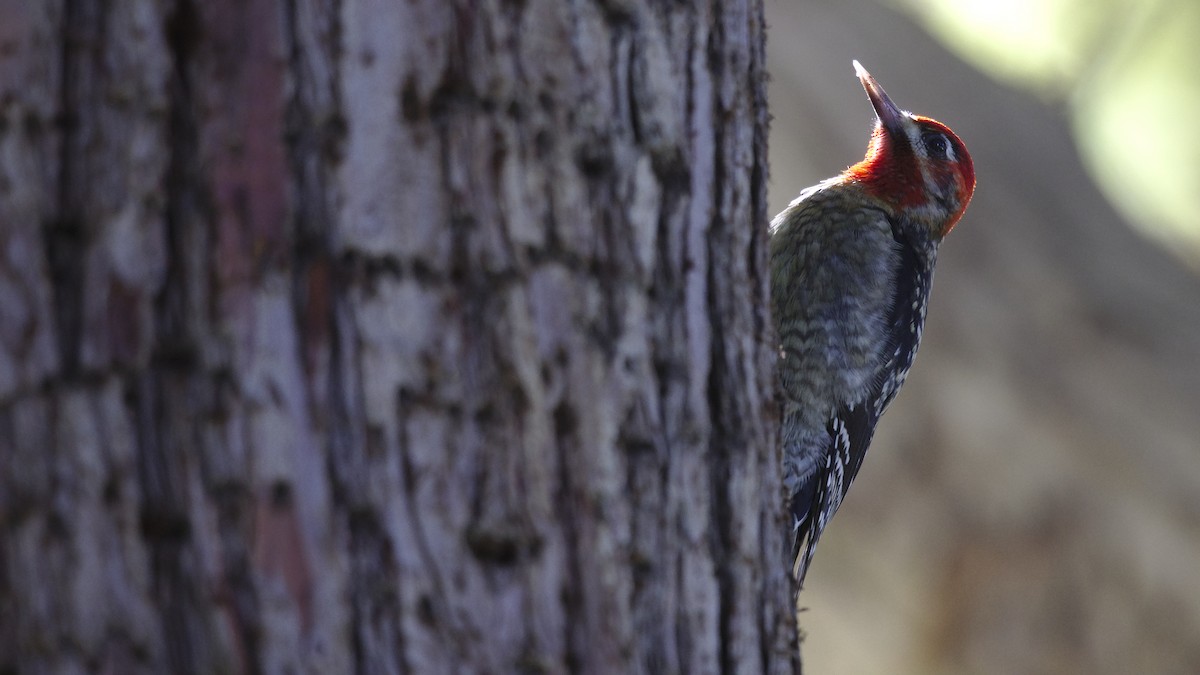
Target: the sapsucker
(851, 264)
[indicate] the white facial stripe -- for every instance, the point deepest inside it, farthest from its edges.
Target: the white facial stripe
(914, 139)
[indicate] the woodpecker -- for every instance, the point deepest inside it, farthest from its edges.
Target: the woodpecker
(851, 264)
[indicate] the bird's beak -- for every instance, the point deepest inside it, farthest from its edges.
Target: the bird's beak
(889, 115)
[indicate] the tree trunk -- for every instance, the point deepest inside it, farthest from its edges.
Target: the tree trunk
(353, 336)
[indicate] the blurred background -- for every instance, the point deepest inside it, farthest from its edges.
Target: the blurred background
(1031, 503)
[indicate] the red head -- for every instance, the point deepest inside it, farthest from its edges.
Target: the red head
(914, 164)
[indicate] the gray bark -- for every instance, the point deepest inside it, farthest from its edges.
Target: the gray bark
(340, 335)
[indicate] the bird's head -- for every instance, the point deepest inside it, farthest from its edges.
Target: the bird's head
(914, 165)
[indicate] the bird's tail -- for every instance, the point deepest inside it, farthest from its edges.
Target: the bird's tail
(806, 530)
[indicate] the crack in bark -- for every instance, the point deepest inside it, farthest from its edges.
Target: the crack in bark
(565, 427)
(64, 236)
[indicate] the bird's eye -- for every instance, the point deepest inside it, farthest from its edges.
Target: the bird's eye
(936, 146)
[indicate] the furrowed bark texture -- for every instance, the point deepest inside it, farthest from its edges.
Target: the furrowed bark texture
(381, 337)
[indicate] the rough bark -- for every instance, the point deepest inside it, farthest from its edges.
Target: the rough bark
(340, 335)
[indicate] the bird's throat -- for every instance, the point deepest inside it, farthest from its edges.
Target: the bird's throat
(891, 173)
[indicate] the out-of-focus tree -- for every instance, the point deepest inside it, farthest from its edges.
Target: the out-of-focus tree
(1030, 503)
(1127, 72)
